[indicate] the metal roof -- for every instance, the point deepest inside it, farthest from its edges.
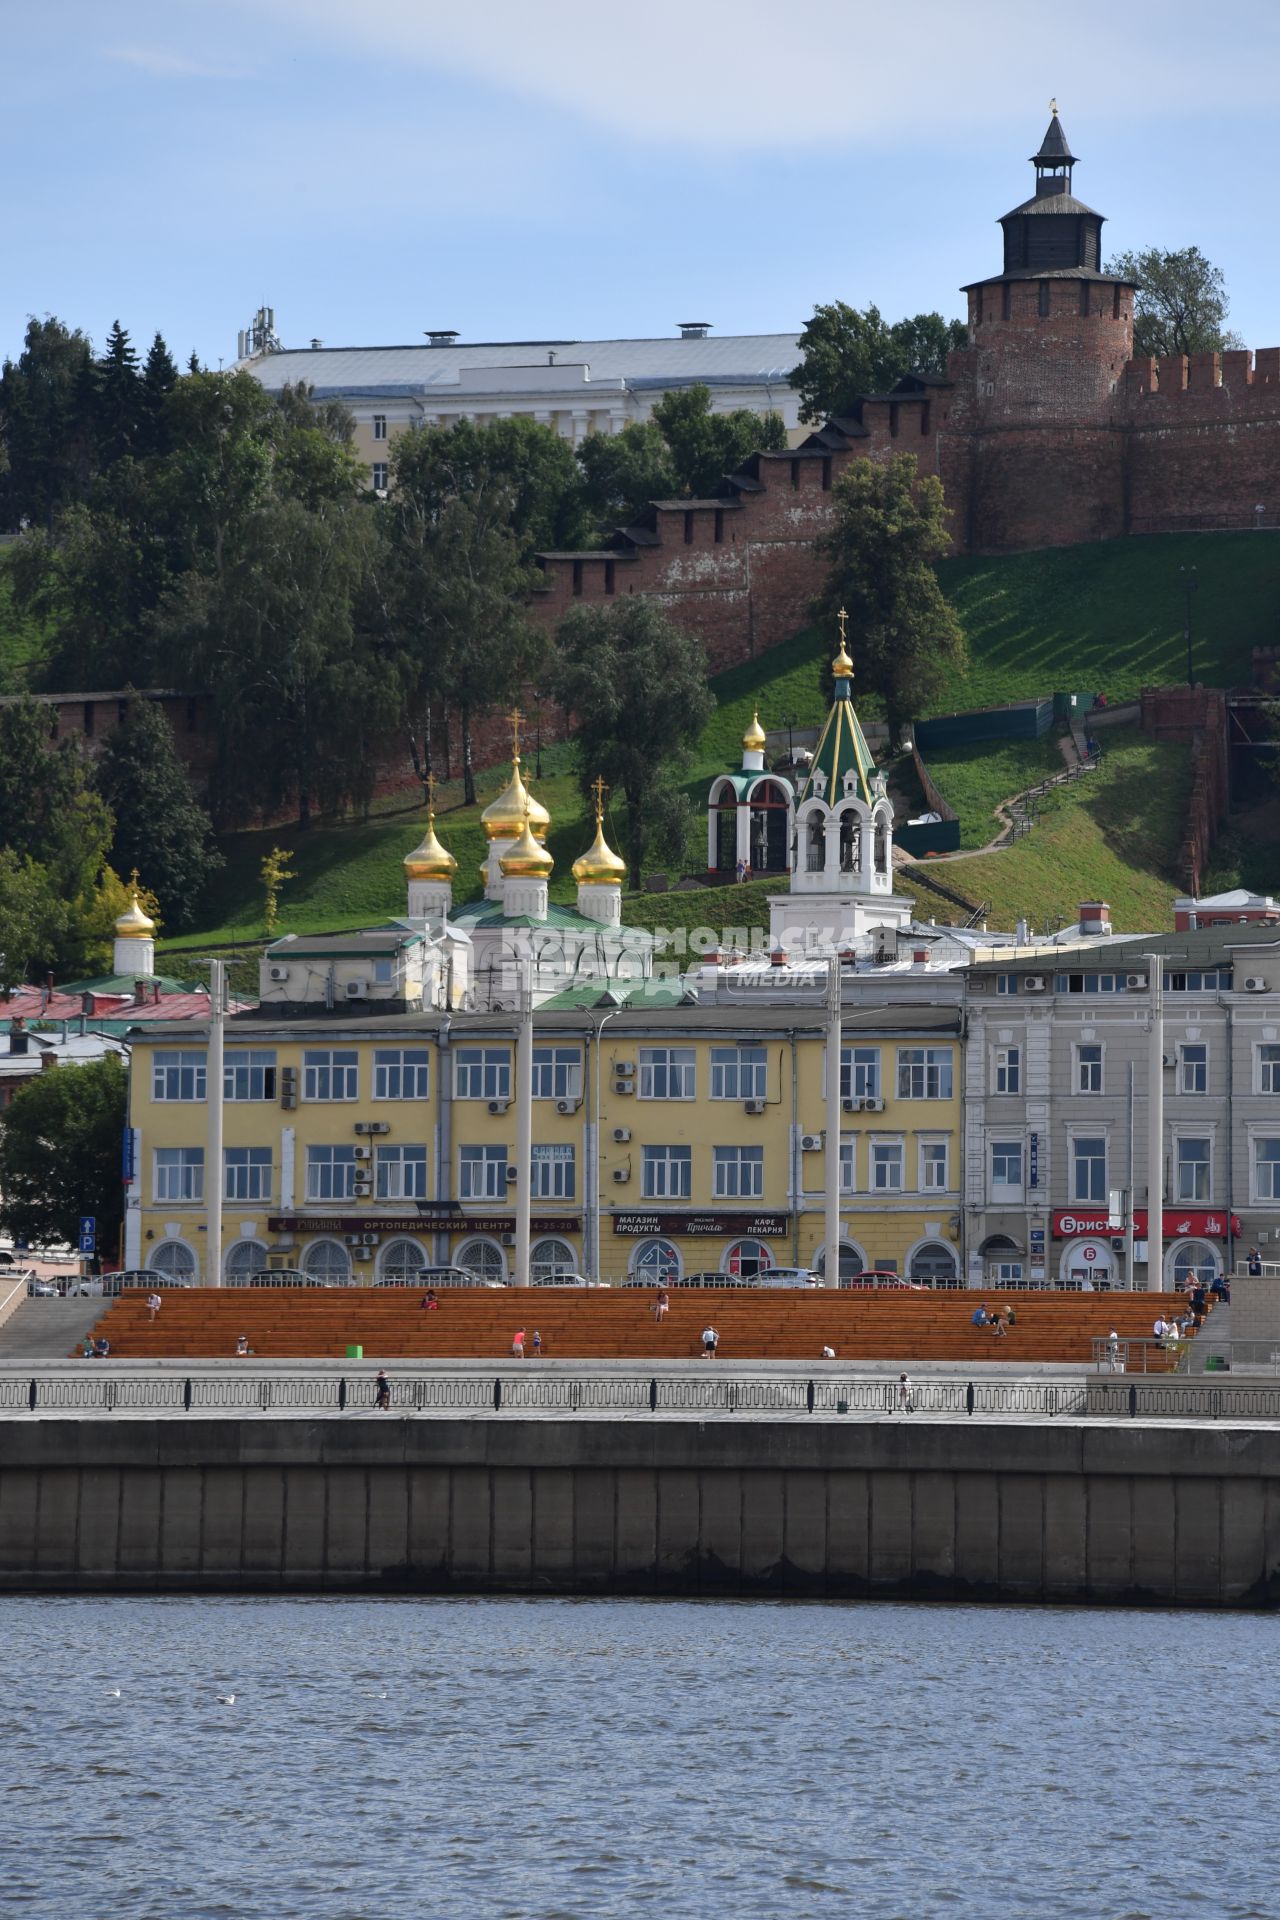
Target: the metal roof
(842, 748)
(752, 358)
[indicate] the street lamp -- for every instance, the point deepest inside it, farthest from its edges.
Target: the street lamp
(1189, 585)
(788, 720)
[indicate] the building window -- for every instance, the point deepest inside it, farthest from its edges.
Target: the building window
(1006, 1169)
(1266, 1169)
(384, 973)
(1193, 1069)
(1269, 1069)
(934, 1171)
(326, 1260)
(667, 1073)
(482, 1073)
(859, 1073)
(1198, 980)
(1088, 1069)
(924, 1073)
(249, 1073)
(550, 1259)
(886, 1166)
(178, 1076)
(482, 1173)
(379, 426)
(1192, 1169)
(1088, 1169)
(748, 1259)
(657, 1262)
(553, 1175)
(330, 1073)
(379, 476)
(247, 1174)
(1007, 1273)
(401, 1073)
(331, 1173)
(179, 1173)
(667, 1173)
(1008, 1070)
(481, 1258)
(1086, 983)
(1006, 983)
(174, 1260)
(557, 1073)
(244, 1259)
(739, 1173)
(402, 1260)
(401, 1173)
(738, 1073)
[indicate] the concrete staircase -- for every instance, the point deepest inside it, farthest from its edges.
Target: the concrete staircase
(47, 1329)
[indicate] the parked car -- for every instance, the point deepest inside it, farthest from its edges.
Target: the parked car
(795, 1277)
(868, 1279)
(569, 1280)
(441, 1277)
(86, 1287)
(41, 1289)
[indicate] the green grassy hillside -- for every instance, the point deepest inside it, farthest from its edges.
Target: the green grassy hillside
(1109, 617)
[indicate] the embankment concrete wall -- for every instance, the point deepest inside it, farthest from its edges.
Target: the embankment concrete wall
(1089, 1511)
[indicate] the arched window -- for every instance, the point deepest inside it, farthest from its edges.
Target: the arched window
(482, 1258)
(748, 1258)
(770, 817)
(882, 843)
(850, 843)
(852, 1260)
(656, 1261)
(175, 1260)
(550, 1259)
(401, 1260)
(817, 843)
(328, 1261)
(246, 1257)
(1195, 1261)
(934, 1264)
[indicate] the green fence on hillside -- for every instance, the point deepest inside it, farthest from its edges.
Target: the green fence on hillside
(1027, 720)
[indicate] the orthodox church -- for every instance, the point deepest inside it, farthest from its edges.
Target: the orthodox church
(829, 830)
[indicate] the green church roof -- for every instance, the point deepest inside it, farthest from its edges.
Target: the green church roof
(842, 748)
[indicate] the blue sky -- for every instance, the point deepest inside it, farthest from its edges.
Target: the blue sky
(372, 168)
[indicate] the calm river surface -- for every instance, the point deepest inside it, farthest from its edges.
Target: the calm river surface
(569, 1760)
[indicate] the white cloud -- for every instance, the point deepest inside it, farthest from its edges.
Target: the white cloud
(164, 64)
(818, 72)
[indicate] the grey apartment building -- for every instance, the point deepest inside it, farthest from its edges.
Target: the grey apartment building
(1052, 1043)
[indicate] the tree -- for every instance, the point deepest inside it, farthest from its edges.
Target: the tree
(273, 873)
(44, 425)
(48, 810)
(636, 686)
(160, 827)
(622, 472)
(458, 586)
(705, 446)
(60, 1153)
(888, 532)
(1181, 305)
(846, 353)
(119, 402)
(159, 378)
(33, 920)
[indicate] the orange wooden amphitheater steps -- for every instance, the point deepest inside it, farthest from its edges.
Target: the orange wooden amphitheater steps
(204, 1323)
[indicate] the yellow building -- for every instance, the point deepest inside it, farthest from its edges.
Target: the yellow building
(667, 1140)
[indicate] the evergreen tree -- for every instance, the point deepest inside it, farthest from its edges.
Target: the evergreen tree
(44, 422)
(60, 1154)
(118, 405)
(159, 378)
(636, 686)
(160, 827)
(888, 533)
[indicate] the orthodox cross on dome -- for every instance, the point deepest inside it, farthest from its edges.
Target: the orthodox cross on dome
(431, 793)
(599, 789)
(1053, 108)
(843, 619)
(842, 665)
(517, 721)
(135, 880)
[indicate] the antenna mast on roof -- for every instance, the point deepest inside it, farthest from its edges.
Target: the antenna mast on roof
(260, 335)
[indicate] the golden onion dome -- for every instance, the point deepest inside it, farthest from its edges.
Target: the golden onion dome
(429, 860)
(134, 924)
(504, 817)
(754, 737)
(599, 866)
(842, 665)
(526, 857)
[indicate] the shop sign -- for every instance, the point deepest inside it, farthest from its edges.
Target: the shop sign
(428, 1221)
(1198, 1223)
(754, 1226)
(1033, 1159)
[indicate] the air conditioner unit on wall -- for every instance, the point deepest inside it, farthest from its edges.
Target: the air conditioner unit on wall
(508, 1239)
(623, 1086)
(362, 1189)
(753, 1106)
(1135, 979)
(622, 1135)
(357, 989)
(873, 1103)
(567, 1106)
(277, 973)
(362, 1153)
(621, 1173)
(1034, 983)
(513, 1173)
(851, 1106)
(498, 1106)
(811, 1142)
(1254, 983)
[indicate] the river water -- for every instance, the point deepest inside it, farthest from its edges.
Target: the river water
(499, 1759)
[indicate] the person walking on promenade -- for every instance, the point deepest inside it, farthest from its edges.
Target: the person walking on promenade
(904, 1393)
(517, 1344)
(537, 1344)
(1255, 1262)
(154, 1304)
(710, 1341)
(382, 1393)
(1113, 1350)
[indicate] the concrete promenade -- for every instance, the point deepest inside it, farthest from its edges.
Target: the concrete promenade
(1173, 1510)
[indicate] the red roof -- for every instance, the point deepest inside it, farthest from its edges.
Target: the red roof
(36, 1004)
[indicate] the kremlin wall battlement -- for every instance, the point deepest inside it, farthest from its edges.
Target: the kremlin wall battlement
(1045, 431)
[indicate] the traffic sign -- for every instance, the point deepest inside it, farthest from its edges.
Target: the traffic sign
(88, 1243)
(88, 1224)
